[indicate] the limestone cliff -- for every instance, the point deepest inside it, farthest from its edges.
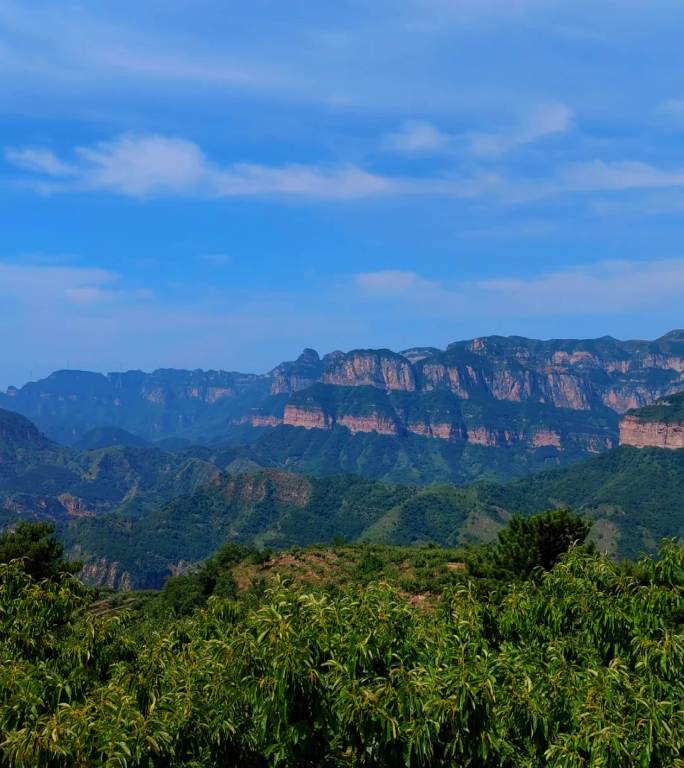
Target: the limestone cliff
(655, 434)
(103, 573)
(660, 425)
(579, 375)
(445, 416)
(593, 376)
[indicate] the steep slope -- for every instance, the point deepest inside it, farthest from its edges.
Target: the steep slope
(660, 425)
(507, 394)
(165, 403)
(267, 508)
(106, 437)
(635, 497)
(28, 460)
(40, 479)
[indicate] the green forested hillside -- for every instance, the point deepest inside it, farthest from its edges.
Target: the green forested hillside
(635, 497)
(667, 410)
(406, 459)
(41, 479)
(149, 511)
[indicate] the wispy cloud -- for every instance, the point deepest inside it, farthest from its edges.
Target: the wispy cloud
(541, 122)
(599, 176)
(601, 289)
(150, 166)
(38, 160)
(38, 284)
(415, 137)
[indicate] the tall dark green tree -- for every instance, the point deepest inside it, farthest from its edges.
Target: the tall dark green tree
(529, 544)
(35, 545)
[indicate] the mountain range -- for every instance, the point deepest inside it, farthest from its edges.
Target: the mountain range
(136, 513)
(492, 407)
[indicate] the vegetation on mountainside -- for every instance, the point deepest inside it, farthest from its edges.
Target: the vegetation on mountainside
(635, 498)
(405, 459)
(41, 555)
(668, 410)
(581, 665)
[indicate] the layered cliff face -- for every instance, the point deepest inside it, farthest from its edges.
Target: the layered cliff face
(445, 416)
(578, 375)
(652, 434)
(552, 381)
(660, 425)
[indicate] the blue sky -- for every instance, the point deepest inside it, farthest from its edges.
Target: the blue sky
(209, 184)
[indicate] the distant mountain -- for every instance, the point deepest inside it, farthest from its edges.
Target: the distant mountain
(527, 403)
(106, 437)
(40, 479)
(635, 498)
(660, 425)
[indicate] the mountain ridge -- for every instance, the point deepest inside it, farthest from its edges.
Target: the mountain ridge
(559, 398)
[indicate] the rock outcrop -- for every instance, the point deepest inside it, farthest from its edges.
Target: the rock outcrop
(600, 377)
(660, 425)
(103, 573)
(650, 434)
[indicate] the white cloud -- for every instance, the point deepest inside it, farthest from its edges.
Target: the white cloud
(416, 137)
(599, 176)
(148, 166)
(38, 161)
(602, 288)
(159, 166)
(392, 283)
(543, 121)
(143, 165)
(39, 284)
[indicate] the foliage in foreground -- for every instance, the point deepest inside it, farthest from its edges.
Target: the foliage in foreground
(36, 546)
(582, 666)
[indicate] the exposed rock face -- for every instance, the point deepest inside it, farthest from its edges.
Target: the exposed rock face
(75, 507)
(441, 430)
(654, 434)
(490, 437)
(373, 423)
(545, 437)
(300, 374)
(102, 573)
(660, 425)
(259, 420)
(596, 376)
(383, 369)
(309, 418)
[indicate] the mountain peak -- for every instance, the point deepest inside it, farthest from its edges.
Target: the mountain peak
(309, 356)
(675, 335)
(16, 431)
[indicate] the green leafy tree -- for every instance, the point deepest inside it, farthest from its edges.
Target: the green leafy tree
(35, 545)
(528, 544)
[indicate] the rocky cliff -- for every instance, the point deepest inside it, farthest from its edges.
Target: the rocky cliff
(660, 425)
(421, 391)
(445, 416)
